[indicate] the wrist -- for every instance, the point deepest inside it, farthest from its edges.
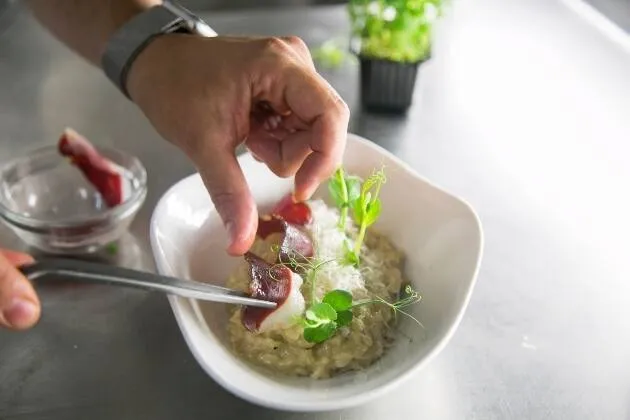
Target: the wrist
(141, 30)
(166, 79)
(144, 76)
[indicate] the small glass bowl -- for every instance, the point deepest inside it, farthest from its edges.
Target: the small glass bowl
(51, 206)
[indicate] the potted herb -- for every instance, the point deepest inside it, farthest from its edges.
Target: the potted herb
(391, 38)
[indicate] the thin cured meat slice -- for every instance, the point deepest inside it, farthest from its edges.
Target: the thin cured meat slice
(275, 283)
(295, 244)
(110, 180)
(296, 213)
(268, 225)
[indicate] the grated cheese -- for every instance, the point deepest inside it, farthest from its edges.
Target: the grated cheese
(329, 245)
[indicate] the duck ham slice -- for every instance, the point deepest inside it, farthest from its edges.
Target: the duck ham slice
(296, 213)
(295, 244)
(275, 283)
(109, 179)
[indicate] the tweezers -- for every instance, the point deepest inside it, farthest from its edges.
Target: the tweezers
(59, 269)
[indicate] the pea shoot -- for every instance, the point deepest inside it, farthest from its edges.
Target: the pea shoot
(348, 192)
(409, 297)
(322, 319)
(367, 208)
(344, 190)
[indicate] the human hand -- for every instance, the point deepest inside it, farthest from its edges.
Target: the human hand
(19, 305)
(208, 95)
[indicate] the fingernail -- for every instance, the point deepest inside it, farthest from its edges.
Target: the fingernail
(20, 313)
(305, 191)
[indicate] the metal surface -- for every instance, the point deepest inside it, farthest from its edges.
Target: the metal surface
(523, 111)
(74, 270)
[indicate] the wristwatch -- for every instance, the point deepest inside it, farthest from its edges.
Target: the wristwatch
(136, 34)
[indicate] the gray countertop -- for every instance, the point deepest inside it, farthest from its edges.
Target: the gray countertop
(524, 111)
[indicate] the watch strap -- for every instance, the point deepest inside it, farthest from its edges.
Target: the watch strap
(132, 38)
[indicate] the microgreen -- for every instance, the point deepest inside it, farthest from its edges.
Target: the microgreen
(321, 333)
(339, 300)
(350, 258)
(399, 30)
(408, 298)
(344, 318)
(320, 313)
(322, 319)
(366, 209)
(349, 192)
(344, 190)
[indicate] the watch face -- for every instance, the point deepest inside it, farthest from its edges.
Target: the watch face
(193, 23)
(179, 10)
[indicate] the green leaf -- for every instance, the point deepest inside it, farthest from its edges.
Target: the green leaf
(321, 333)
(344, 318)
(354, 188)
(322, 311)
(335, 190)
(310, 316)
(349, 256)
(372, 212)
(340, 300)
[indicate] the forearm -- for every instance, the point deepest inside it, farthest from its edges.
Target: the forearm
(86, 25)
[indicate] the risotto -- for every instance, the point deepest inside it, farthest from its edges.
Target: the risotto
(282, 347)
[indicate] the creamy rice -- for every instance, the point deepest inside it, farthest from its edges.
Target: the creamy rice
(353, 347)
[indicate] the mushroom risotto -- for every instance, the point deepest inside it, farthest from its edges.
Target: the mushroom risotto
(337, 285)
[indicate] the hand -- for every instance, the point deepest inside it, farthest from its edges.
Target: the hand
(208, 95)
(19, 305)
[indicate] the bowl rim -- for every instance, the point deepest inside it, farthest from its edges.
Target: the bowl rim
(37, 225)
(180, 306)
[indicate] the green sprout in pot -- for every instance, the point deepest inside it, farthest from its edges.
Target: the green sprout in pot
(391, 38)
(394, 30)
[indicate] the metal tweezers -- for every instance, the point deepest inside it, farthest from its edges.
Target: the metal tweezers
(58, 269)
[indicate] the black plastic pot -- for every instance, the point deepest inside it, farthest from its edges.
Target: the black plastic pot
(387, 86)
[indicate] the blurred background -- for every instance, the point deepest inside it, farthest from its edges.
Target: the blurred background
(616, 10)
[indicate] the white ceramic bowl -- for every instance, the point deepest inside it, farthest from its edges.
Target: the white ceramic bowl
(439, 233)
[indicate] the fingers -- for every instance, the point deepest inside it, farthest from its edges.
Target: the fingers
(282, 153)
(16, 258)
(301, 50)
(231, 196)
(19, 305)
(315, 103)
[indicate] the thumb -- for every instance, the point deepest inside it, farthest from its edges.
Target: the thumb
(226, 183)
(19, 305)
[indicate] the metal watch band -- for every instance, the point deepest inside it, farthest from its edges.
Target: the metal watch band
(134, 36)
